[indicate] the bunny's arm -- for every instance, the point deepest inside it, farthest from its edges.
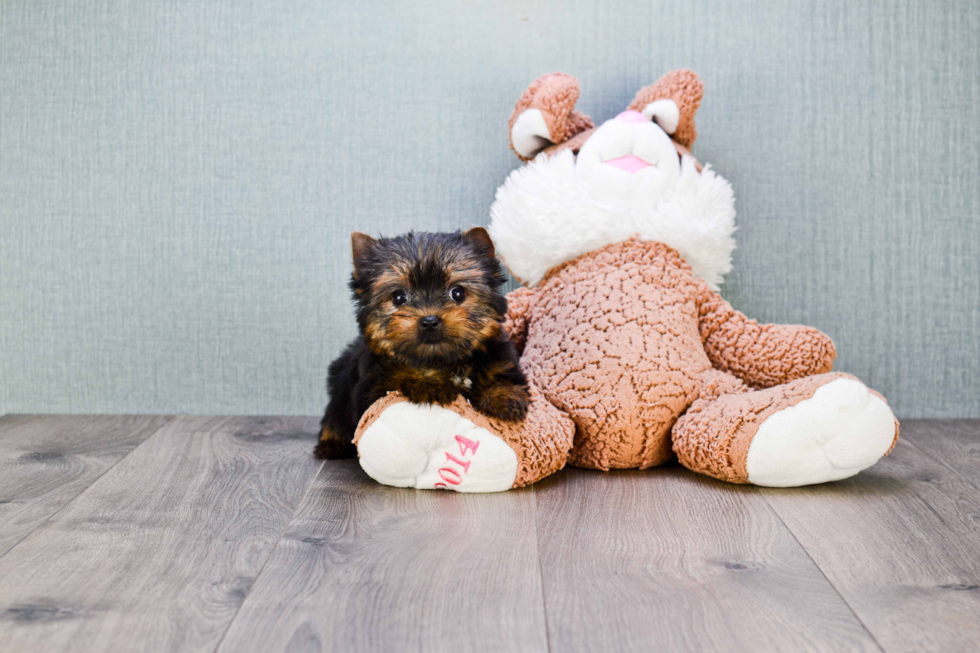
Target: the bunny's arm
(762, 355)
(519, 305)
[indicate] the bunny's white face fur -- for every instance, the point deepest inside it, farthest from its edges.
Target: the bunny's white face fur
(625, 157)
(626, 180)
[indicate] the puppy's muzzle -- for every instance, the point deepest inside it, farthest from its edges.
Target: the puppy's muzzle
(430, 329)
(430, 323)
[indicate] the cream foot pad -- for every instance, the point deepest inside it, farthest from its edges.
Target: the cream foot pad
(431, 447)
(839, 431)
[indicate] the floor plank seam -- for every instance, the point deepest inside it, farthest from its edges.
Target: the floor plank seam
(820, 569)
(272, 551)
(537, 546)
(168, 418)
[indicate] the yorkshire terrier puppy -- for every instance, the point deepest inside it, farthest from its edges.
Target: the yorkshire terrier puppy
(430, 312)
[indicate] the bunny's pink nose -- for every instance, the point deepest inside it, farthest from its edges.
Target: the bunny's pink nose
(631, 116)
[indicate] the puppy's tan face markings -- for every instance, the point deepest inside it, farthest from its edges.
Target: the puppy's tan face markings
(433, 298)
(384, 323)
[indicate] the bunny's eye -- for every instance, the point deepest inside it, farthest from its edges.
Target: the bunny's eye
(399, 297)
(457, 294)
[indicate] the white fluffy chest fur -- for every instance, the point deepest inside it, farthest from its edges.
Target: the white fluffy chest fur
(551, 211)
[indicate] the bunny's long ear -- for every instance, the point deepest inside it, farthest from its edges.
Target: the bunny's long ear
(672, 102)
(545, 115)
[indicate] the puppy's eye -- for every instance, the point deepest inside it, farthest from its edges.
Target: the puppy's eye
(399, 297)
(457, 294)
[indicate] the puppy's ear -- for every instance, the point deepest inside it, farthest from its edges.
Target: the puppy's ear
(545, 115)
(360, 246)
(479, 237)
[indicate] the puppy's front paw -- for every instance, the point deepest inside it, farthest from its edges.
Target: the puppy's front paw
(506, 402)
(423, 392)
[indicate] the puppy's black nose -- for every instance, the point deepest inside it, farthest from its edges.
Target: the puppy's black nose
(430, 322)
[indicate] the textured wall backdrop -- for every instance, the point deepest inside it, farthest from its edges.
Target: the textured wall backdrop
(178, 179)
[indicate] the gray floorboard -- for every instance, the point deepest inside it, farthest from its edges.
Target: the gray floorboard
(158, 553)
(370, 568)
(901, 543)
(954, 443)
(211, 533)
(668, 560)
(45, 462)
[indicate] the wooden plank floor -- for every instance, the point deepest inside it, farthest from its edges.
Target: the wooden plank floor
(223, 534)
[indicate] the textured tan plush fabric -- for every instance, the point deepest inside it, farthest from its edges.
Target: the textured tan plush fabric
(519, 305)
(762, 355)
(625, 339)
(714, 435)
(613, 341)
(574, 143)
(554, 95)
(686, 89)
(541, 441)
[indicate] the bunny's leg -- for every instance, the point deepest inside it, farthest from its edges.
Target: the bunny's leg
(456, 448)
(812, 430)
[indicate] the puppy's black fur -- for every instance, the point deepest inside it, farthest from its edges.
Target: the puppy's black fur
(429, 311)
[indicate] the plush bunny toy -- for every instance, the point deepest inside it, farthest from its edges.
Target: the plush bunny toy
(621, 239)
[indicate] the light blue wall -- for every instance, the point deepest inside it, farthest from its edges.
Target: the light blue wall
(178, 179)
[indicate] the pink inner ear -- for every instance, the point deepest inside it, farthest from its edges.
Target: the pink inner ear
(629, 163)
(631, 116)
